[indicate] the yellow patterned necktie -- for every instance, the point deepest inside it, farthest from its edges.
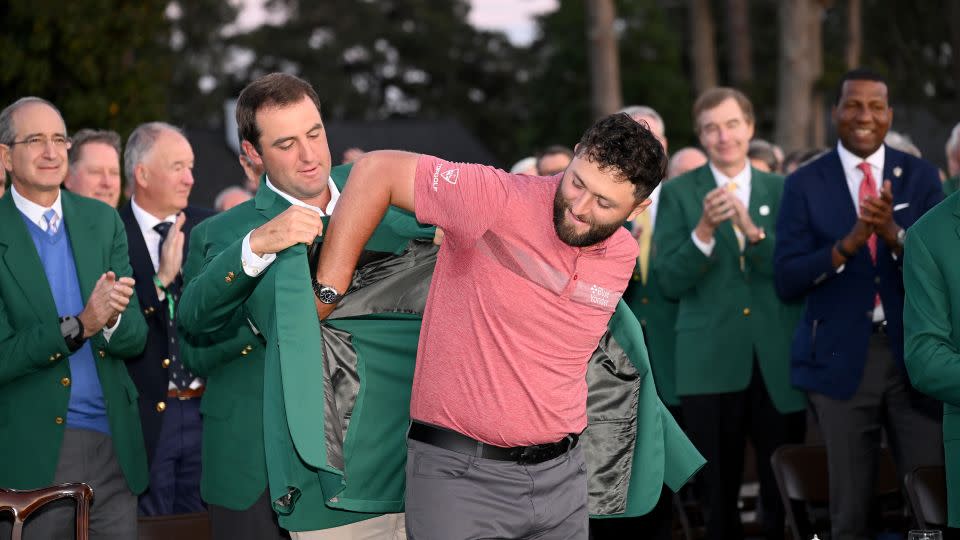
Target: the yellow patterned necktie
(643, 240)
(741, 239)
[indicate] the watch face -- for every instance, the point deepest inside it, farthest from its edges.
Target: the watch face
(328, 295)
(70, 327)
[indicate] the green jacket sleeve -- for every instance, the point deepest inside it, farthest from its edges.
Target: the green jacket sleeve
(211, 299)
(931, 356)
(680, 263)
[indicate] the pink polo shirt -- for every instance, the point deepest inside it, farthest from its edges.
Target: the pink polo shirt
(513, 314)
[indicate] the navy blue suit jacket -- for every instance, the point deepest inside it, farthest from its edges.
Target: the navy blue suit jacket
(829, 346)
(147, 370)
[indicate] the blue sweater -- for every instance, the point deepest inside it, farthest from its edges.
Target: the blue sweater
(86, 409)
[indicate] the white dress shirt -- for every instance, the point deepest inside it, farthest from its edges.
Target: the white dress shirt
(34, 213)
(742, 180)
(151, 237)
(851, 170)
(254, 265)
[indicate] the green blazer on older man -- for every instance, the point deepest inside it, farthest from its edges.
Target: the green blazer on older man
(35, 378)
(931, 325)
(728, 307)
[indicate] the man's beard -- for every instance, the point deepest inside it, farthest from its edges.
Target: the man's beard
(598, 232)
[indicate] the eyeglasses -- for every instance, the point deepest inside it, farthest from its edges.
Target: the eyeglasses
(38, 143)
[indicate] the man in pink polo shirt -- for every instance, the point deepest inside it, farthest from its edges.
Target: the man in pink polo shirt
(529, 273)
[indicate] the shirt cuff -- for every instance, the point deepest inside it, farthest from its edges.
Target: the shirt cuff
(107, 332)
(254, 265)
(705, 247)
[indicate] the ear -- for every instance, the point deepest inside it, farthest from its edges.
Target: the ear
(6, 159)
(251, 152)
(140, 175)
(641, 206)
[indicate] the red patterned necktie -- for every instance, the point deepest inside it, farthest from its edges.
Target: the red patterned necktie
(868, 188)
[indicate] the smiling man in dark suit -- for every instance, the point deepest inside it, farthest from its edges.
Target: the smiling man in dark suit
(840, 237)
(158, 162)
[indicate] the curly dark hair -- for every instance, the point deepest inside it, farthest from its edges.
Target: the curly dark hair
(629, 149)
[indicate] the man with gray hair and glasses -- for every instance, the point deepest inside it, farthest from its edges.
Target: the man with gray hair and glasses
(68, 321)
(158, 160)
(94, 160)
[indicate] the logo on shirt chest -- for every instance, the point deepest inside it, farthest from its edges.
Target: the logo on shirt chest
(599, 296)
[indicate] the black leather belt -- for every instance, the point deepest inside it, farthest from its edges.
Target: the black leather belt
(457, 442)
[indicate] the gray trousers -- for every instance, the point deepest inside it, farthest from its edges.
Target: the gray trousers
(852, 433)
(86, 456)
(452, 496)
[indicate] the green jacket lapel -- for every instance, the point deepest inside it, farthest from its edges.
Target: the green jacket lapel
(23, 262)
(268, 202)
(759, 195)
(82, 232)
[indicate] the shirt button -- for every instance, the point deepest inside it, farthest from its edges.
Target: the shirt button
(575, 276)
(161, 406)
(65, 381)
(746, 312)
(58, 420)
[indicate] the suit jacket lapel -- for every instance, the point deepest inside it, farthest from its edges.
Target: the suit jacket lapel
(22, 261)
(893, 171)
(836, 195)
(139, 255)
(269, 203)
(759, 195)
(82, 232)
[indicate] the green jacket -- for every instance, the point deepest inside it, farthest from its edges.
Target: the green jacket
(354, 457)
(34, 366)
(950, 185)
(657, 315)
(931, 325)
(725, 315)
(234, 469)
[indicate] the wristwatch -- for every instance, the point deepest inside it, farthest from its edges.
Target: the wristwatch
(72, 331)
(325, 293)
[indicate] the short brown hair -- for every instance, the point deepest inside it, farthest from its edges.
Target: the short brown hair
(715, 96)
(87, 136)
(273, 90)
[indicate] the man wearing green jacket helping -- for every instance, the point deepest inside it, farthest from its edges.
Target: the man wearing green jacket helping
(530, 272)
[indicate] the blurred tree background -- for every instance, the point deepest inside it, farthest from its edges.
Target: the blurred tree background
(114, 63)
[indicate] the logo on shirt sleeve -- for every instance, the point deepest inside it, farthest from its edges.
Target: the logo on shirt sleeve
(450, 176)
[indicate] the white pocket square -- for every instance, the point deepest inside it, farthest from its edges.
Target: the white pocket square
(901, 206)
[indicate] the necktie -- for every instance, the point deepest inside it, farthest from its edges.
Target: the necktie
(53, 221)
(868, 188)
(741, 239)
(643, 224)
(179, 374)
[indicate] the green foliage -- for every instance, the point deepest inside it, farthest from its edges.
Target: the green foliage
(104, 63)
(558, 95)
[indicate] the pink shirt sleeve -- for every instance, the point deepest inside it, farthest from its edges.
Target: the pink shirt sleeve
(463, 199)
